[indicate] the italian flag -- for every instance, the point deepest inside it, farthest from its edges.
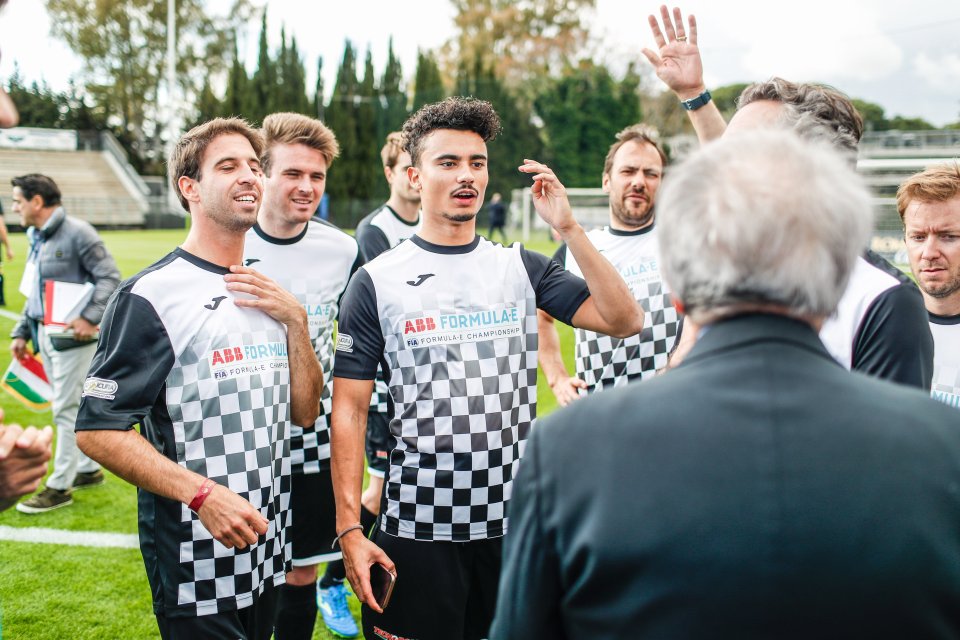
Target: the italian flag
(26, 381)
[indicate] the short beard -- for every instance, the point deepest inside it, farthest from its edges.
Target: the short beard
(944, 291)
(620, 213)
(459, 217)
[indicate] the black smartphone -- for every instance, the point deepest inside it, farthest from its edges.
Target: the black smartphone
(381, 581)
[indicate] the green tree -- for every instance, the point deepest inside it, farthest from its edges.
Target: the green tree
(393, 97)
(341, 115)
(428, 82)
(123, 44)
(238, 99)
(582, 111)
(872, 114)
(367, 176)
(264, 83)
(902, 123)
(521, 41)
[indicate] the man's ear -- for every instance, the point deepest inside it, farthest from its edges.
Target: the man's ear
(189, 188)
(605, 183)
(413, 175)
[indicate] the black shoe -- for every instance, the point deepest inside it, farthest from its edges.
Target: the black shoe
(47, 500)
(87, 480)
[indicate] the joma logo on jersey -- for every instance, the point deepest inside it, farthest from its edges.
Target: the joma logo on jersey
(419, 325)
(223, 356)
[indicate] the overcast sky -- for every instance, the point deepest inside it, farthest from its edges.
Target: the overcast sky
(902, 55)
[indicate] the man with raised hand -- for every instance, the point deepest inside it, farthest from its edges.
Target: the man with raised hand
(383, 229)
(214, 361)
(452, 319)
(758, 490)
(631, 177)
(880, 326)
(929, 206)
(313, 260)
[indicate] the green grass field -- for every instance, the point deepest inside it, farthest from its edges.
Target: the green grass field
(56, 591)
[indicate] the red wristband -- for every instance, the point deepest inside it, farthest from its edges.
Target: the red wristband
(202, 494)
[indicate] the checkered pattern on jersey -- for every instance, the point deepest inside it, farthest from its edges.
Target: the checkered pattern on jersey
(310, 448)
(378, 401)
(605, 362)
(462, 414)
(234, 431)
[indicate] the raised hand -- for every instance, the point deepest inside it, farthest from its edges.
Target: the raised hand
(678, 64)
(550, 197)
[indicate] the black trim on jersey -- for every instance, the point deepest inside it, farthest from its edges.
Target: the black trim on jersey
(635, 232)
(943, 320)
(359, 262)
(559, 292)
(443, 248)
(400, 218)
(192, 259)
(372, 240)
(878, 261)
(281, 241)
(560, 255)
(893, 341)
(363, 326)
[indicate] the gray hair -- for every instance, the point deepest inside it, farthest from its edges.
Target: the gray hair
(806, 104)
(762, 219)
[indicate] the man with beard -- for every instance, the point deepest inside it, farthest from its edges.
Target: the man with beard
(880, 325)
(631, 176)
(214, 361)
(383, 229)
(929, 206)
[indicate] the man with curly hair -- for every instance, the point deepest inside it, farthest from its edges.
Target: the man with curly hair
(452, 317)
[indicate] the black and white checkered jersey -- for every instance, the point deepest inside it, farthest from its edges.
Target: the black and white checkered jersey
(315, 266)
(603, 361)
(880, 327)
(455, 328)
(379, 231)
(209, 383)
(946, 360)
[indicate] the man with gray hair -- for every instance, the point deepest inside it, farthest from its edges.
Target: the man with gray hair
(880, 326)
(783, 502)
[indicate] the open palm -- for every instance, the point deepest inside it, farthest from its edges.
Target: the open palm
(678, 63)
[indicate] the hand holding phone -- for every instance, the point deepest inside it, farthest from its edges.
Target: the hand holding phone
(381, 582)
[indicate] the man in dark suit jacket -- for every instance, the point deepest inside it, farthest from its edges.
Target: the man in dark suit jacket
(769, 492)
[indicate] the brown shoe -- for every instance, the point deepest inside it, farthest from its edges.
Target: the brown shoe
(47, 500)
(87, 480)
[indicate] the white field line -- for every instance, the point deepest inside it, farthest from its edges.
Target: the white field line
(73, 538)
(10, 314)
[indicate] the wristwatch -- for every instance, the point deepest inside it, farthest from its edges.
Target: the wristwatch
(695, 103)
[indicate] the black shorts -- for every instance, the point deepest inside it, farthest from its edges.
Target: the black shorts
(444, 590)
(250, 623)
(379, 444)
(314, 519)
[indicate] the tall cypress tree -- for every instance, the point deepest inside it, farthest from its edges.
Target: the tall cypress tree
(342, 118)
(237, 98)
(393, 103)
(428, 85)
(264, 80)
(368, 168)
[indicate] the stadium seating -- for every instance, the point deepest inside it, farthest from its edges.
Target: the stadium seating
(91, 187)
